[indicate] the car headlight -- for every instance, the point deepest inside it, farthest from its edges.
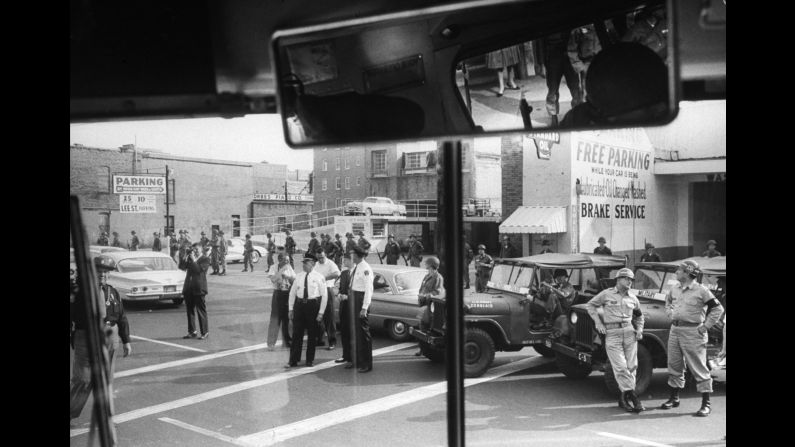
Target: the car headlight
(432, 307)
(134, 289)
(573, 318)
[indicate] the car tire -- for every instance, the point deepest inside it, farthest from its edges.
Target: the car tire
(368, 212)
(544, 350)
(177, 301)
(255, 257)
(478, 352)
(398, 330)
(572, 368)
(642, 375)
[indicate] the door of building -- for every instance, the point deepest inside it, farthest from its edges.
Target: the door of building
(235, 225)
(709, 216)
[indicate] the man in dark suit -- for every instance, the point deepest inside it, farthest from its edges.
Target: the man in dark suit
(195, 289)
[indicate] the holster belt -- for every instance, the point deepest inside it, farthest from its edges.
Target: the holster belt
(684, 323)
(616, 325)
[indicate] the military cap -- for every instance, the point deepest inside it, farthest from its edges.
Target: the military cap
(155, 233)
(712, 242)
(312, 234)
(481, 247)
(412, 235)
(104, 264)
(268, 235)
(625, 273)
(602, 239)
(359, 251)
(337, 236)
(115, 233)
(349, 234)
(309, 257)
(203, 233)
(649, 245)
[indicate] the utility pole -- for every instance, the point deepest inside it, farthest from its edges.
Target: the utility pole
(168, 229)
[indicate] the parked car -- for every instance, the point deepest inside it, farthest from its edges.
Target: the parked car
(144, 275)
(579, 348)
(234, 251)
(375, 206)
(94, 251)
(478, 207)
(394, 305)
(506, 316)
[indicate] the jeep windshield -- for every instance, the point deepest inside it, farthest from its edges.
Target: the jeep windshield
(515, 278)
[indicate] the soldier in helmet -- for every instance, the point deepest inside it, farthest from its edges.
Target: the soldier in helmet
(350, 244)
(289, 245)
(116, 242)
(710, 252)
(103, 239)
(546, 247)
(415, 251)
(483, 263)
(650, 255)
(156, 246)
(364, 243)
(602, 249)
(468, 256)
(693, 310)
(313, 243)
(134, 241)
(271, 250)
(622, 327)
(204, 240)
(339, 249)
(391, 251)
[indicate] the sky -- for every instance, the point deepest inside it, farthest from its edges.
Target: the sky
(253, 138)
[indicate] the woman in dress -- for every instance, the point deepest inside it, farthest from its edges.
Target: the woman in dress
(503, 60)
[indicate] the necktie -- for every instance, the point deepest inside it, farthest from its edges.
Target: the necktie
(352, 275)
(306, 285)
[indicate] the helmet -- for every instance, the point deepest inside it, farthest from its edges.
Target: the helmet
(481, 247)
(560, 272)
(312, 234)
(602, 239)
(432, 262)
(649, 245)
(392, 236)
(625, 273)
(690, 267)
(712, 242)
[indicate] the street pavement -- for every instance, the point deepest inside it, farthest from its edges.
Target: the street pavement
(230, 390)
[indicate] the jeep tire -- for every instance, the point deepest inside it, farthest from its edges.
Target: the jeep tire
(642, 375)
(544, 350)
(478, 352)
(571, 367)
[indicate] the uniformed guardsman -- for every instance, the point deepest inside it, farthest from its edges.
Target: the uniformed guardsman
(562, 291)
(116, 242)
(204, 240)
(364, 243)
(214, 253)
(248, 248)
(340, 250)
(468, 256)
(361, 290)
(623, 327)
(313, 243)
(173, 246)
(184, 249)
(103, 239)
(350, 244)
(271, 250)
(546, 247)
(693, 310)
(308, 300)
(134, 242)
(289, 245)
(711, 251)
(650, 255)
(506, 248)
(391, 251)
(329, 247)
(483, 264)
(602, 249)
(415, 251)
(156, 246)
(222, 250)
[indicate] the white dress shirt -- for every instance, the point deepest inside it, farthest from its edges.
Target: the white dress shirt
(362, 281)
(327, 269)
(316, 284)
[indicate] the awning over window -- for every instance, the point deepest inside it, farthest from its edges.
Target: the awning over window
(536, 219)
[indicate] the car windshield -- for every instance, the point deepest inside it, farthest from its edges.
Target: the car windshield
(146, 265)
(511, 276)
(409, 280)
(653, 280)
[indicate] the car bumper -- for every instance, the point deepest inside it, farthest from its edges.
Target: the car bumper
(151, 296)
(425, 336)
(568, 351)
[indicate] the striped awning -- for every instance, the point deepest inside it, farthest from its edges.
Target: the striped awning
(536, 219)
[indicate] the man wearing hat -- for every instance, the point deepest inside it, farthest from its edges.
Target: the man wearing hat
(602, 249)
(194, 290)
(307, 304)
(650, 255)
(546, 247)
(103, 239)
(483, 263)
(248, 248)
(313, 243)
(214, 252)
(339, 249)
(329, 247)
(562, 293)
(506, 248)
(415, 251)
(271, 250)
(364, 243)
(391, 251)
(710, 252)
(693, 310)
(134, 242)
(361, 291)
(289, 246)
(156, 246)
(116, 242)
(222, 249)
(350, 244)
(204, 240)
(173, 246)
(468, 256)
(622, 327)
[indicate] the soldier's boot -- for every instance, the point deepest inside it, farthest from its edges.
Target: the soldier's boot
(705, 409)
(672, 401)
(623, 401)
(636, 402)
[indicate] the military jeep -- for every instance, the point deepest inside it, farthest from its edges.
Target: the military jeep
(579, 348)
(510, 314)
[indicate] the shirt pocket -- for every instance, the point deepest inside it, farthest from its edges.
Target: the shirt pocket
(693, 302)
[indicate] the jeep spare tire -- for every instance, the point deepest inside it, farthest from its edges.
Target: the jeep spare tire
(478, 352)
(642, 375)
(571, 367)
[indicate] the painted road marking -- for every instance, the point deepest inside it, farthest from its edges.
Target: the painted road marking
(224, 391)
(145, 369)
(209, 433)
(627, 438)
(330, 419)
(167, 343)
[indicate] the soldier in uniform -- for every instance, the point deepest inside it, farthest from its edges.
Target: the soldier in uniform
(693, 310)
(391, 251)
(271, 250)
(483, 264)
(248, 247)
(173, 246)
(340, 251)
(710, 252)
(432, 285)
(623, 327)
(116, 242)
(561, 293)
(134, 242)
(308, 301)
(650, 255)
(194, 291)
(546, 247)
(222, 250)
(103, 239)
(116, 327)
(468, 256)
(602, 249)
(204, 240)
(506, 248)
(350, 244)
(214, 253)
(329, 247)
(156, 244)
(313, 243)
(361, 290)
(289, 245)
(184, 249)
(364, 243)
(415, 251)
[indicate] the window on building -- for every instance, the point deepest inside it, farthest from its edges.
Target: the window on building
(103, 178)
(325, 165)
(347, 163)
(337, 202)
(337, 163)
(325, 204)
(324, 184)
(357, 227)
(416, 160)
(347, 183)
(358, 181)
(358, 160)
(338, 184)
(379, 161)
(378, 229)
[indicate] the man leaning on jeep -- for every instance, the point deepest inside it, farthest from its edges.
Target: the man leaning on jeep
(623, 327)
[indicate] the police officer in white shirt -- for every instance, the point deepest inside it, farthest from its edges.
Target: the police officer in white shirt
(331, 272)
(308, 298)
(361, 290)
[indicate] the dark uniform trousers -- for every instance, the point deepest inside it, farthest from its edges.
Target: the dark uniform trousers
(280, 317)
(195, 304)
(304, 319)
(327, 325)
(345, 330)
(364, 341)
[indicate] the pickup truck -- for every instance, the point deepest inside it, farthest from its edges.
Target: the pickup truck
(375, 205)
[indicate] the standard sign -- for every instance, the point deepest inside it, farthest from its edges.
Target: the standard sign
(134, 203)
(139, 184)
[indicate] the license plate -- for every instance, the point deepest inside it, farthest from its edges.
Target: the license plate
(548, 343)
(170, 289)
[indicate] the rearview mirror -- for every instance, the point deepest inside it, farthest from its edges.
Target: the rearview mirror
(476, 68)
